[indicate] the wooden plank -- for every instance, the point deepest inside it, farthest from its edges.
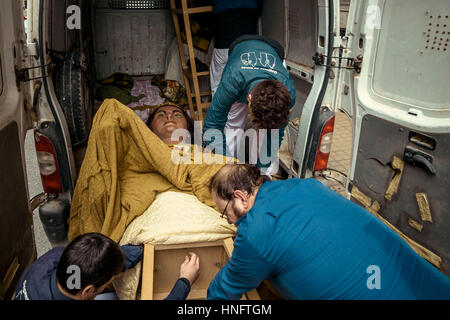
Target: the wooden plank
(202, 73)
(229, 246)
(193, 10)
(202, 94)
(147, 272)
(9, 276)
(183, 60)
(188, 74)
(253, 295)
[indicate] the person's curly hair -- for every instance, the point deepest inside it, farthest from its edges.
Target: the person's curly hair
(270, 103)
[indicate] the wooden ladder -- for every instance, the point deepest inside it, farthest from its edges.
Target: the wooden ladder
(190, 74)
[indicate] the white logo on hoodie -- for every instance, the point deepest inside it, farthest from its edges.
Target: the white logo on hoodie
(266, 61)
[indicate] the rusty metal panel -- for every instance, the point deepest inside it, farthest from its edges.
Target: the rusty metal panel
(379, 142)
(131, 41)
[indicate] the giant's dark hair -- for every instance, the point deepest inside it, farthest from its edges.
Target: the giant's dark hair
(98, 258)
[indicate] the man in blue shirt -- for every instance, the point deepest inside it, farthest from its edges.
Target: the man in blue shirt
(84, 269)
(312, 243)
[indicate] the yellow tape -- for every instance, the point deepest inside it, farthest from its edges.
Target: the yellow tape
(397, 164)
(424, 207)
(414, 224)
(373, 208)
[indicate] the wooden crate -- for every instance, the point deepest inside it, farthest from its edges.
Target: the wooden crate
(161, 268)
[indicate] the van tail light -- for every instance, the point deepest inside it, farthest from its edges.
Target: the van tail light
(323, 151)
(48, 165)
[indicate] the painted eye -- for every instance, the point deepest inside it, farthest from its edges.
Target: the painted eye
(178, 115)
(160, 115)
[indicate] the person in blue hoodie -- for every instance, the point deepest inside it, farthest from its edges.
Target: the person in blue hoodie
(256, 78)
(312, 243)
(86, 266)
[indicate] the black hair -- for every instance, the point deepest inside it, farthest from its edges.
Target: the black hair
(98, 258)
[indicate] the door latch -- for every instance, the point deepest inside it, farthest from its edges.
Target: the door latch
(416, 157)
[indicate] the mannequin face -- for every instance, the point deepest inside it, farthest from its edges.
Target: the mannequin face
(166, 120)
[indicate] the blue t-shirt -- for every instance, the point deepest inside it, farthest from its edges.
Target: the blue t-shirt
(312, 243)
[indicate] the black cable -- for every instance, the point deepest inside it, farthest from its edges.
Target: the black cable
(340, 172)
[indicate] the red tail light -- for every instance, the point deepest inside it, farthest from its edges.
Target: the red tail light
(48, 165)
(323, 151)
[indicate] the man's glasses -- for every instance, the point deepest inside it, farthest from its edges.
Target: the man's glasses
(224, 210)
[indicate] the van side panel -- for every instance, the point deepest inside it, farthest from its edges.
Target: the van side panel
(16, 235)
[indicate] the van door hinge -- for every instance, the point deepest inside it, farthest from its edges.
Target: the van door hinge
(22, 75)
(352, 63)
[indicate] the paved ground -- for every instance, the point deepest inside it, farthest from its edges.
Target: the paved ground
(341, 148)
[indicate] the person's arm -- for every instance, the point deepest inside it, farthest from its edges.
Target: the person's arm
(228, 92)
(133, 254)
(180, 290)
(244, 271)
(189, 271)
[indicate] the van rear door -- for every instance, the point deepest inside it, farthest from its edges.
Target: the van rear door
(394, 83)
(306, 29)
(17, 248)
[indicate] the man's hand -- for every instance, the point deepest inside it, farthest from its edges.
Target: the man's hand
(190, 268)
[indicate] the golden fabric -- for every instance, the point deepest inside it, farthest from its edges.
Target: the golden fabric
(126, 165)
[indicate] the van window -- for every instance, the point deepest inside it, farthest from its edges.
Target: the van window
(139, 4)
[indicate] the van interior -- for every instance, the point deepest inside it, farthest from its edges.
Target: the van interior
(137, 38)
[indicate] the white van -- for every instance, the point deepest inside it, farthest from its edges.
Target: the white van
(384, 63)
